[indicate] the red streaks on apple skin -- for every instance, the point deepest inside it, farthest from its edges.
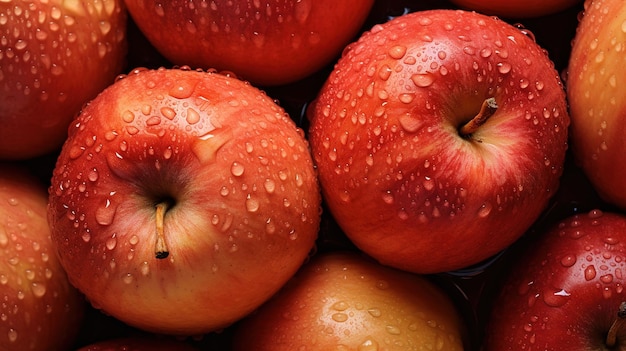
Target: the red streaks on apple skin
(561, 280)
(237, 175)
(384, 134)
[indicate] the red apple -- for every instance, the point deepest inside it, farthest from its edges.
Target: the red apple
(137, 343)
(343, 301)
(182, 200)
(565, 289)
(55, 56)
(516, 8)
(268, 42)
(596, 75)
(40, 310)
(439, 138)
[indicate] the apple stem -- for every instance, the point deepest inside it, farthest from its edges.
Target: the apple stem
(161, 250)
(611, 337)
(487, 109)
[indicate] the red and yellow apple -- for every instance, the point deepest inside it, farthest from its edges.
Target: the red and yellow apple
(182, 200)
(55, 56)
(345, 301)
(267, 42)
(439, 138)
(565, 289)
(595, 80)
(40, 309)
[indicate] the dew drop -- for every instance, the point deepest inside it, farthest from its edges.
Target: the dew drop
(339, 317)
(556, 298)
(252, 204)
(423, 80)
(128, 116)
(105, 213)
(397, 52)
(193, 116)
(236, 169)
(12, 335)
(485, 210)
(38, 289)
(590, 272)
(568, 260)
(375, 312)
(182, 90)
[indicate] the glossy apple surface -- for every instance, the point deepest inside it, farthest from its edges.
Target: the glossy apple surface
(344, 301)
(55, 56)
(564, 290)
(597, 101)
(268, 42)
(40, 310)
(516, 8)
(414, 165)
(182, 200)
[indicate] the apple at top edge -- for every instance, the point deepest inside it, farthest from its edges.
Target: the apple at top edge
(439, 138)
(182, 200)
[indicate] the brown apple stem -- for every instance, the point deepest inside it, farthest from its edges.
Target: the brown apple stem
(618, 324)
(487, 109)
(161, 250)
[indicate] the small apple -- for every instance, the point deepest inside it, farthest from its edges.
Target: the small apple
(437, 132)
(182, 200)
(344, 301)
(40, 310)
(266, 42)
(565, 290)
(55, 56)
(516, 8)
(138, 343)
(595, 80)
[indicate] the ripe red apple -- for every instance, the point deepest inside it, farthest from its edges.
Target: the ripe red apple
(343, 301)
(595, 80)
(266, 42)
(516, 8)
(40, 310)
(182, 200)
(439, 138)
(565, 289)
(55, 56)
(138, 343)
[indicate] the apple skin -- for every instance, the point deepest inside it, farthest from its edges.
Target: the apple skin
(268, 42)
(40, 309)
(516, 8)
(138, 343)
(398, 177)
(245, 204)
(346, 301)
(564, 289)
(55, 57)
(597, 101)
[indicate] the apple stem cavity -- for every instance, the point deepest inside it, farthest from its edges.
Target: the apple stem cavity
(618, 324)
(161, 250)
(487, 110)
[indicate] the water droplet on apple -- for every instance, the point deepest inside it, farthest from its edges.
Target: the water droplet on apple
(237, 169)
(252, 204)
(423, 80)
(374, 312)
(504, 67)
(397, 52)
(182, 90)
(339, 317)
(127, 278)
(302, 9)
(556, 298)
(105, 213)
(590, 272)
(38, 289)
(568, 260)
(393, 329)
(369, 345)
(485, 210)
(12, 335)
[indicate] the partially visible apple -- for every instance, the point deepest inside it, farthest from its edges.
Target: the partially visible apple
(55, 56)
(268, 42)
(516, 8)
(345, 301)
(565, 290)
(39, 309)
(138, 343)
(182, 200)
(439, 138)
(595, 89)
